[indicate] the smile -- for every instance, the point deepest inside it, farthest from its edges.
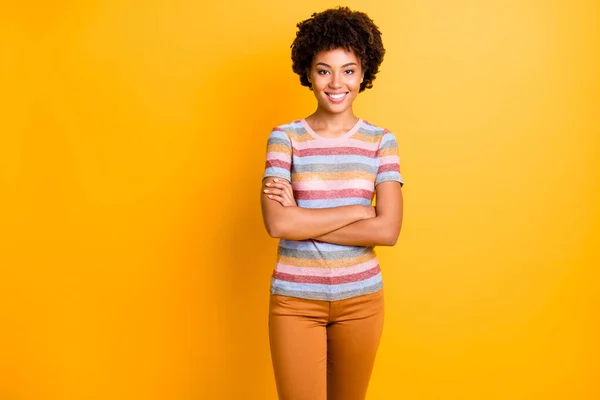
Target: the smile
(337, 98)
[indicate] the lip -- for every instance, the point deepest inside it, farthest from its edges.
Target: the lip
(336, 100)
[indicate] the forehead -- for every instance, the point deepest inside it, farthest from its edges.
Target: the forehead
(338, 56)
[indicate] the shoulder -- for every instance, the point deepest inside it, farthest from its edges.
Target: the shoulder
(289, 130)
(381, 133)
(290, 126)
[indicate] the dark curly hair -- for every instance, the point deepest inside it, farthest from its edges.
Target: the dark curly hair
(335, 28)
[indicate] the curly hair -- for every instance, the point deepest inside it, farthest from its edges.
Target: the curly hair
(335, 28)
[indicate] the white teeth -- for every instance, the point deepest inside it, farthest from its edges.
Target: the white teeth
(337, 96)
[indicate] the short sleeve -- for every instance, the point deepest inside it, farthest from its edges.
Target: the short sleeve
(389, 160)
(279, 156)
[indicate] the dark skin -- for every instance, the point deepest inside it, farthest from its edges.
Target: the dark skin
(335, 72)
(382, 229)
(296, 223)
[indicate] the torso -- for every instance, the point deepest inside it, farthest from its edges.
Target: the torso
(329, 172)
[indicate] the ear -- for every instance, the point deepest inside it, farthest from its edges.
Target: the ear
(308, 75)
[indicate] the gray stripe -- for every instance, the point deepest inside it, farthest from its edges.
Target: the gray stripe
(392, 177)
(370, 132)
(324, 255)
(327, 296)
(342, 167)
(298, 130)
(389, 143)
(276, 140)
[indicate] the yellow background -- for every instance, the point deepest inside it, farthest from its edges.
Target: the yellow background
(133, 260)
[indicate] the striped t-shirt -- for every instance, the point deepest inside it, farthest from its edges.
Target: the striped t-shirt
(329, 172)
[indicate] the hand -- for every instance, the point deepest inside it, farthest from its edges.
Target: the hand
(281, 190)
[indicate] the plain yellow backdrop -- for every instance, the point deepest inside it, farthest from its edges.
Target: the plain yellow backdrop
(133, 260)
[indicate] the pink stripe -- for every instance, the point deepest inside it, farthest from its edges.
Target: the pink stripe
(332, 194)
(277, 155)
(348, 142)
(277, 163)
(389, 160)
(342, 184)
(293, 270)
(388, 168)
(335, 151)
(328, 280)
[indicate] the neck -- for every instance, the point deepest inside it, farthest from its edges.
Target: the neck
(331, 121)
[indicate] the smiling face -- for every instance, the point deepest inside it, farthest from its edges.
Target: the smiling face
(335, 76)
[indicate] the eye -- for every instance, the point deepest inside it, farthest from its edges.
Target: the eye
(322, 72)
(349, 71)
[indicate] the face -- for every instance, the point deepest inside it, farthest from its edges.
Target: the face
(335, 76)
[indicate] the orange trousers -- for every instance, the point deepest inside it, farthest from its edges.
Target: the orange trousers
(324, 350)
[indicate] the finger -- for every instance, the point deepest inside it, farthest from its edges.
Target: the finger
(289, 191)
(276, 186)
(284, 181)
(277, 192)
(283, 189)
(279, 185)
(284, 186)
(288, 200)
(286, 194)
(279, 199)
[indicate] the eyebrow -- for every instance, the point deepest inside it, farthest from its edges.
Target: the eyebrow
(343, 66)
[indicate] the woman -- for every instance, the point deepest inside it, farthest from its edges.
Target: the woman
(321, 174)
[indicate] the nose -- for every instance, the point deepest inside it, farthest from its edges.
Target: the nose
(335, 81)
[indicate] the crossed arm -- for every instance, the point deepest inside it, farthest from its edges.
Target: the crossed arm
(354, 225)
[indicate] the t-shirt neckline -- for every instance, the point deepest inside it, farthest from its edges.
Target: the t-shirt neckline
(317, 136)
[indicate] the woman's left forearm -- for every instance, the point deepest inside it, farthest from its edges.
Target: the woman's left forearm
(377, 231)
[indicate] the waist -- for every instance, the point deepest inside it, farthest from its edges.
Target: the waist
(315, 254)
(326, 288)
(313, 258)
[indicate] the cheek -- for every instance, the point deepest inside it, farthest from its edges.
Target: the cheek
(354, 81)
(320, 80)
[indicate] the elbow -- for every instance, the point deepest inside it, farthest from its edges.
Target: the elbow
(283, 231)
(389, 241)
(275, 229)
(390, 238)
(388, 231)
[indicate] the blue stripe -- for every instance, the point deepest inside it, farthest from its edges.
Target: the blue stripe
(325, 288)
(327, 203)
(311, 245)
(388, 137)
(278, 172)
(389, 176)
(292, 125)
(280, 135)
(372, 128)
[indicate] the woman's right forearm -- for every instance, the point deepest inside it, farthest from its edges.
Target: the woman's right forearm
(296, 223)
